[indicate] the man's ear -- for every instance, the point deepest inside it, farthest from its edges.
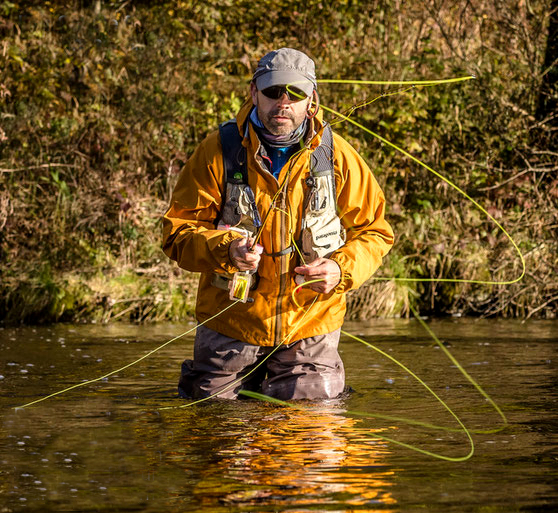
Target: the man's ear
(254, 93)
(312, 110)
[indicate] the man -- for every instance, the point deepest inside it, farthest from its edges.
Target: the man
(288, 202)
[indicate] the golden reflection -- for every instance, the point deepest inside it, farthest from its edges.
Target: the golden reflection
(268, 455)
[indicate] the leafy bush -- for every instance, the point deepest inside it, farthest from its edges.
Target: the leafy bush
(102, 102)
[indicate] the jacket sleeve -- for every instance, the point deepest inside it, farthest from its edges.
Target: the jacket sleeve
(189, 234)
(361, 207)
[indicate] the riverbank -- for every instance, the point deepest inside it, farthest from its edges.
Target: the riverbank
(101, 105)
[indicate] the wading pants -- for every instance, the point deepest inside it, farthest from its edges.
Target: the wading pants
(309, 368)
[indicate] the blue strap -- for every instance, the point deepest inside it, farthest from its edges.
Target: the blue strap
(234, 154)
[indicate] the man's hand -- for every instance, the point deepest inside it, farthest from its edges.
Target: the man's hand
(321, 269)
(244, 255)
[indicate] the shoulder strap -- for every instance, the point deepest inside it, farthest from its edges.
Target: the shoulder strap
(322, 156)
(234, 154)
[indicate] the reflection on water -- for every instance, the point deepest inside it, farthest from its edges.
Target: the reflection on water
(107, 446)
(277, 457)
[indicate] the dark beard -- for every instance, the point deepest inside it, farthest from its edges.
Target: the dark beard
(278, 137)
(279, 130)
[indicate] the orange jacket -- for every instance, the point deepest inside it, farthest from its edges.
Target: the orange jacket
(191, 239)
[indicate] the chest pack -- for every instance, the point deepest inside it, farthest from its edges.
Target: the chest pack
(321, 229)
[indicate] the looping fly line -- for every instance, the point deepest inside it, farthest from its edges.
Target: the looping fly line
(345, 117)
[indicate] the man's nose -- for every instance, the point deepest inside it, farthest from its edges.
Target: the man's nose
(284, 99)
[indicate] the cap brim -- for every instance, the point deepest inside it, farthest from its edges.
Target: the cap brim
(282, 78)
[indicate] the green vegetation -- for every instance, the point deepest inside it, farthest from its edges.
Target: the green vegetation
(102, 102)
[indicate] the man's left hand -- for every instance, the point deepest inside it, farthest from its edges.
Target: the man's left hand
(321, 269)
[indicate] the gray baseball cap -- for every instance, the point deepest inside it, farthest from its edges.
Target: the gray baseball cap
(286, 66)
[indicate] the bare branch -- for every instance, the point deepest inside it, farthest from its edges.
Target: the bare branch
(41, 166)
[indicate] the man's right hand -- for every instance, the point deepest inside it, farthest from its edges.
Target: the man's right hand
(244, 255)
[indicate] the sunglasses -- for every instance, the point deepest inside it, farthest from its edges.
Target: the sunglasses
(293, 93)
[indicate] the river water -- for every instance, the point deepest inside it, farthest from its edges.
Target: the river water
(108, 446)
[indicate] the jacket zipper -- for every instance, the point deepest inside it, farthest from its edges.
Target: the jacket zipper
(283, 265)
(278, 309)
(282, 272)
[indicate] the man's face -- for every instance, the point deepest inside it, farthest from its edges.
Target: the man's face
(281, 116)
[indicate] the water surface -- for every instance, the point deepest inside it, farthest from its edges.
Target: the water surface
(108, 446)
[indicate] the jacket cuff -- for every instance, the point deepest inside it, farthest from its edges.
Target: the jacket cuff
(346, 280)
(222, 254)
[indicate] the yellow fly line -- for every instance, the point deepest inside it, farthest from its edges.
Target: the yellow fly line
(396, 82)
(344, 117)
(147, 355)
(288, 337)
(462, 428)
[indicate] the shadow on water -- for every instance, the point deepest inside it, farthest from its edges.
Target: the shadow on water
(107, 446)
